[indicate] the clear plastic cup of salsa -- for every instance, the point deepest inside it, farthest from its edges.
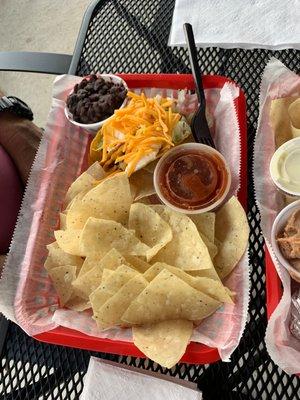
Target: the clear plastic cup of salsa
(192, 178)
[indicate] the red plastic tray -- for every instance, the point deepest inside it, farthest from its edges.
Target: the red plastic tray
(273, 285)
(196, 353)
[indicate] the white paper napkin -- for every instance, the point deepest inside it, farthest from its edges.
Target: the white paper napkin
(272, 24)
(106, 380)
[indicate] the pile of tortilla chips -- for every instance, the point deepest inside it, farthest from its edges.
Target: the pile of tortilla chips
(143, 266)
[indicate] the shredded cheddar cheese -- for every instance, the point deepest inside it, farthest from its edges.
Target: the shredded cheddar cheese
(141, 129)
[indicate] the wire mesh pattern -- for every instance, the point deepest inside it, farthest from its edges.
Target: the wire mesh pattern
(131, 36)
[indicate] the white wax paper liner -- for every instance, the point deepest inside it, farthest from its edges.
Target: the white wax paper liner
(30, 299)
(277, 82)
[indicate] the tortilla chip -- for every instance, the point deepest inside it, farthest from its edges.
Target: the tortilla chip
(78, 214)
(106, 290)
(167, 297)
(294, 114)
(187, 249)
(69, 241)
(205, 224)
(78, 304)
(62, 221)
(85, 181)
(151, 166)
(79, 196)
(110, 199)
(210, 287)
(100, 235)
(211, 247)
(141, 183)
(206, 273)
(96, 171)
(280, 119)
(85, 284)
(106, 274)
(62, 278)
(145, 200)
(232, 232)
(137, 263)
(164, 342)
(52, 246)
(112, 310)
(57, 258)
(149, 227)
(112, 260)
(89, 263)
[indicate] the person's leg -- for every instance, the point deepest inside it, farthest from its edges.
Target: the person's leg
(19, 140)
(10, 199)
(2, 261)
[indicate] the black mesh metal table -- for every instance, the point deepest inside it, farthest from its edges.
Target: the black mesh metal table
(131, 36)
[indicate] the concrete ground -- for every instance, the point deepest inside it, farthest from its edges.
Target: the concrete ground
(37, 25)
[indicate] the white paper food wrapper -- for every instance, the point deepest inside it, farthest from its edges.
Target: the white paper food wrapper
(246, 24)
(106, 380)
(27, 295)
(277, 82)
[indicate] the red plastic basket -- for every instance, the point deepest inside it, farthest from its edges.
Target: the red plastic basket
(196, 353)
(273, 284)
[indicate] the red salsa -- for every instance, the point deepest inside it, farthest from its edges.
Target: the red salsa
(192, 179)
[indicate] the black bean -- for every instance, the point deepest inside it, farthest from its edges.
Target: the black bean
(82, 93)
(84, 119)
(97, 86)
(94, 97)
(83, 83)
(89, 87)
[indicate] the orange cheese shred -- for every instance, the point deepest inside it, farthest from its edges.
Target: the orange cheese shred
(141, 128)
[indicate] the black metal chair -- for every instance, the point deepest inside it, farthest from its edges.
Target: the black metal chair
(48, 63)
(27, 61)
